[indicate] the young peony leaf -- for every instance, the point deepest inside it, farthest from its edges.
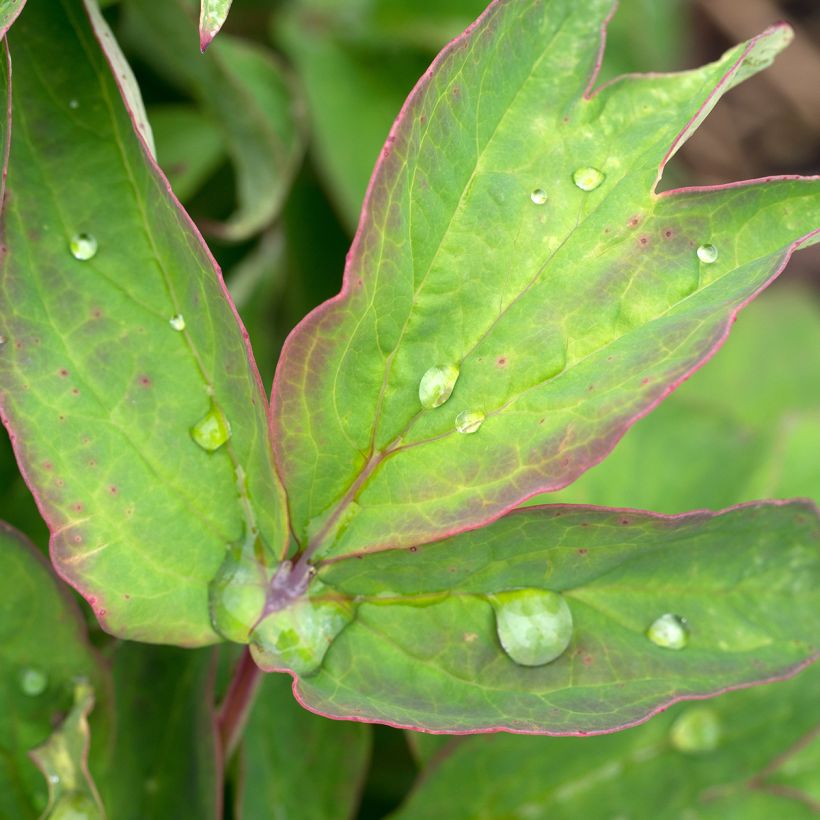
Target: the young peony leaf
(120, 340)
(9, 10)
(212, 16)
(728, 758)
(662, 609)
(44, 652)
(569, 315)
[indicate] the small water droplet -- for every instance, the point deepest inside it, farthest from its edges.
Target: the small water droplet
(696, 731)
(669, 631)
(83, 246)
(212, 430)
(588, 179)
(707, 254)
(539, 196)
(298, 637)
(74, 104)
(468, 421)
(436, 385)
(177, 322)
(534, 625)
(33, 681)
(54, 778)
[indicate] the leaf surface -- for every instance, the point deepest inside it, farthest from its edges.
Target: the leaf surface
(212, 16)
(422, 650)
(9, 10)
(761, 734)
(568, 319)
(44, 649)
(246, 92)
(99, 388)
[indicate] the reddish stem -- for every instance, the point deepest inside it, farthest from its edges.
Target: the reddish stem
(235, 708)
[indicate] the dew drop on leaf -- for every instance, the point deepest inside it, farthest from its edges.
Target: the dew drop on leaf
(436, 385)
(534, 625)
(696, 731)
(539, 196)
(212, 430)
(669, 631)
(298, 637)
(177, 322)
(707, 254)
(83, 246)
(588, 179)
(468, 421)
(33, 681)
(73, 104)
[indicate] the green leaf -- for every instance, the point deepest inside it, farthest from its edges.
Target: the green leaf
(44, 651)
(568, 320)
(166, 761)
(120, 340)
(246, 92)
(422, 650)
(189, 146)
(9, 10)
(63, 761)
(323, 780)
(651, 771)
(212, 16)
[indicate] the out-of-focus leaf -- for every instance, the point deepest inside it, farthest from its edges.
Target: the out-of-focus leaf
(63, 760)
(296, 764)
(247, 93)
(165, 762)
(723, 759)
(423, 652)
(120, 340)
(44, 652)
(189, 146)
(512, 232)
(212, 16)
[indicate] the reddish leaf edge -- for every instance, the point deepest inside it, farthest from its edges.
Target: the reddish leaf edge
(95, 601)
(312, 318)
(5, 29)
(787, 674)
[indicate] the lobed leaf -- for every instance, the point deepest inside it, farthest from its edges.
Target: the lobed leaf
(569, 313)
(422, 650)
(113, 358)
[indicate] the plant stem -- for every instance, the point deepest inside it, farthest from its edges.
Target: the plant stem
(235, 708)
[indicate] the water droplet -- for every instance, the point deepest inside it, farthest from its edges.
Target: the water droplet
(669, 631)
(436, 385)
(33, 682)
(534, 625)
(696, 731)
(177, 322)
(539, 196)
(74, 104)
(83, 246)
(588, 179)
(707, 254)
(468, 421)
(212, 430)
(54, 778)
(298, 637)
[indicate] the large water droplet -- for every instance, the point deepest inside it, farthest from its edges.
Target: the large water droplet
(212, 430)
(539, 196)
(83, 246)
(177, 322)
(588, 179)
(696, 731)
(468, 421)
(298, 637)
(534, 625)
(707, 254)
(669, 631)
(436, 385)
(33, 681)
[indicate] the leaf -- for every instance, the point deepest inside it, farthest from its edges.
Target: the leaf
(640, 773)
(165, 762)
(189, 146)
(568, 320)
(100, 389)
(9, 10)
(422, 650)
(212, 16)
(63, 761)
(245, 91)
(44, 650)
(323, 780)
